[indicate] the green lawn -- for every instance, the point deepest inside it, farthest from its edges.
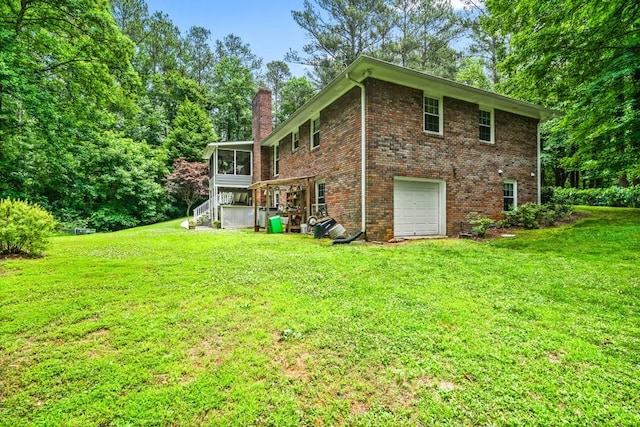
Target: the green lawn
(163, 326)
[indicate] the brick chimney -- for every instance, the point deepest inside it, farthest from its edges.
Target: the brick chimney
(261, 128)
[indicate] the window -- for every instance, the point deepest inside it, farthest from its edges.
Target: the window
(243, 163)
(234, 162)
(320, 192)
(432, 115)
(276, 160)
(510, 195)
(315, 132)
(295, 140)
(485, 126)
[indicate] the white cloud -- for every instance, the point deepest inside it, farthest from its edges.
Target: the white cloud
(457, 4)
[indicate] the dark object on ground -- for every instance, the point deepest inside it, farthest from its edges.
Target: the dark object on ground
(322, 227)
(348, 239)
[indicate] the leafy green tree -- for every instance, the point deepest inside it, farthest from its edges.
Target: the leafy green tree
(581, 57)
(233, 90)
(117, 183)
(472, 72)
(190, 133)
(295, 93)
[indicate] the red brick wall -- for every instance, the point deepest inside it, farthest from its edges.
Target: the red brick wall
(336, 160)
(398, 146)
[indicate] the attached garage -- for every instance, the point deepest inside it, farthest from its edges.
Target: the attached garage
(419, 207)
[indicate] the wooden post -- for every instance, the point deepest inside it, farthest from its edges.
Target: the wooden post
(267, 223)
(308, 200)
(256, 224)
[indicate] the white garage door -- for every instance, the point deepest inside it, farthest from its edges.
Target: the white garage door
(416, 206)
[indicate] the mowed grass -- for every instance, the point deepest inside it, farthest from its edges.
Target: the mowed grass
(163, 326)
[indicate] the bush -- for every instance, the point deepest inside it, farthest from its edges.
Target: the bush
(531, 215)
(481, 224)
(24, 227)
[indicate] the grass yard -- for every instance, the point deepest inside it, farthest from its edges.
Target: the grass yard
(163, 326)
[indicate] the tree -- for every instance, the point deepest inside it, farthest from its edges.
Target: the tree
(159, 50)
(231, 46)
(233, 90)
(488, 43)
(188, 182)
(571, 56)
(198, 58)
(472, 72)
(131, 16)
(425, 30)
(191, 132)
(340, 31)
(295, 93)
(276, 78)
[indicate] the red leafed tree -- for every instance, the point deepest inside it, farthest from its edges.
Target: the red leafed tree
(189, 181)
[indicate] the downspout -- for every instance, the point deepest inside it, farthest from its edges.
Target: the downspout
(363, 160)
(539, 166)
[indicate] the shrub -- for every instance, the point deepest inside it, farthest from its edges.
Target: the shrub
(531, 215)
(24, 227)
(481, 224)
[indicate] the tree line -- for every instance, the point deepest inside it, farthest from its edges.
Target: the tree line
(98, 98)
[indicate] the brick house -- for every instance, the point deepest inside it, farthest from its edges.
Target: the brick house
(431, 151)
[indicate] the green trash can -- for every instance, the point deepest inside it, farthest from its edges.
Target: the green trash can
(276, 224)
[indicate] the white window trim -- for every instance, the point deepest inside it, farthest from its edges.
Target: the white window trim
(491, 112)
(515, 191)
(276, 159)
(440, 113)
(293, 138)
(313, 119)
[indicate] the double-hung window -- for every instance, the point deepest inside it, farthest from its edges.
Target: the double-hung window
(433, 115)
(485, 125)
(295, 140)
(315, 132)
(510, 195)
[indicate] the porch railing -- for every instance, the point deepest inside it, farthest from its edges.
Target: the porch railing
(201, 210)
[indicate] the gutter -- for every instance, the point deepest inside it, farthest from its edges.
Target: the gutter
(363, 160)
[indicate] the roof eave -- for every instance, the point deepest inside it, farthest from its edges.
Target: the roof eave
(365, 66)
(212, 146)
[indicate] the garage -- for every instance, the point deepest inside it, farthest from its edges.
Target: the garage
(418, 207)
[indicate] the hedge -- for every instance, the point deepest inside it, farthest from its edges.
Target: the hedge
(612, 196)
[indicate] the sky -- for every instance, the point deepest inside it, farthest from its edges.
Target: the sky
(266, 25)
